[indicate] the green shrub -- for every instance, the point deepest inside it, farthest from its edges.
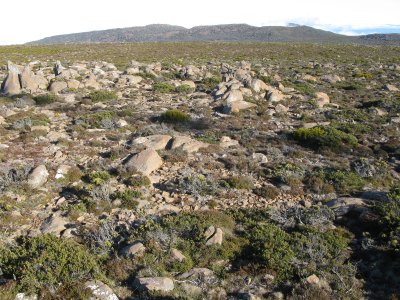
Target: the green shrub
(267, 192)
(324, 137)
(128, 198)
(175, 116)
(211, 82)
(100, 96)
(45, 99)
(184, 89)
(240, 182)
(138, 181)
(270, 246)
(163, 87)
(305, 88)
(98, 178)
(97, 119)
(345, 181)
(365, 75)
(46, 262)
(390, 218)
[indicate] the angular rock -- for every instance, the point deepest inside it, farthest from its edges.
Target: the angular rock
(160, 284)
(226, 142)
(28, 80)
(155, 142)
(177, 255)
(58, 68)
(54, 224)
(187, 144)
(274, 96)
(391, 88)
(237, 106)
(258, 85)
(91, 82)
(197, 273)
(58, 86)
(233, 96)
(260, 158)
(189, 83)
(145, 162)
(321, 99)
(38, 177)
(214, 236)
(134, 249)
(100, 291)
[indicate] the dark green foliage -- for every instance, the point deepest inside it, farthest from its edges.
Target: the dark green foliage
(175, 116)
(45, 99)
(270, 246)
(46, 261)
(324, 137)
(101, 96)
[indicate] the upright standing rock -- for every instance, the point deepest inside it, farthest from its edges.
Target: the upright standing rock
(28, 80)
(58, 68)
(12, 85)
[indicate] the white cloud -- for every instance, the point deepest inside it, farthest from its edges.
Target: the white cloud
(28, 20)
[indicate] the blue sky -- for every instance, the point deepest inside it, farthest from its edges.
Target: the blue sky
(28, 20)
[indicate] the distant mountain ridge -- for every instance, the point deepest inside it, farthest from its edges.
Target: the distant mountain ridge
(229, 33)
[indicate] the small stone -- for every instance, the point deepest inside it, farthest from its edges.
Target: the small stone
(322, 99)
(312, 279)
(38, 177)
(177, 255)
(133, 250)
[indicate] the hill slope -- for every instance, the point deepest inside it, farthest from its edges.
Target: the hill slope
(233, 32)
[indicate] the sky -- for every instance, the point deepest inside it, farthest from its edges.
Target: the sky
(29, 20)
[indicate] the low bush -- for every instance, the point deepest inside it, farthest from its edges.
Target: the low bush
(101, 96)
(163, 87)
(240, 182)
(184, 89)
(45, 99)
(175, 116)
(210, 83)
(98, 178)
(128, 198)
(324, 137)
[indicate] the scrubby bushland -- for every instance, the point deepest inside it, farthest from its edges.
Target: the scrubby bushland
(47, 264)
